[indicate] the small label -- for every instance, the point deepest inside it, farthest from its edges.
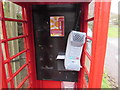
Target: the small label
(77, 58)
(71, 57)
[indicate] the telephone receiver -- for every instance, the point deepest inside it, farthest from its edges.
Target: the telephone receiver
(74, 49)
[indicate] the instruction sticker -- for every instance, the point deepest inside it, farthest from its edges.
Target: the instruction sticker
(56, 26)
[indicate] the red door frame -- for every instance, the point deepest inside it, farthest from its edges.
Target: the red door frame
(8, 57)
(100, 31)
(101, 19)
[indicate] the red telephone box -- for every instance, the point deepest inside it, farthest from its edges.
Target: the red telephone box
(91, 78)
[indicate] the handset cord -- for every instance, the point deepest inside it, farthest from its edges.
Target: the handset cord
(77, 22)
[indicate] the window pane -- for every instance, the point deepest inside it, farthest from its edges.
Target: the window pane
(9, 86)
(16, 46)
(91, 9)
(89, 46)
(3, 51)
(90, 28)
(1, 33)
(87, 63)
(6, 70)
(86, 77)
(17, 62)
(12, 10)
(26, 84)
(20, 76)
(14, 29)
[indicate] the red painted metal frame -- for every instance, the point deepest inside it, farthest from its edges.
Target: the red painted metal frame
(85, 85)
(2, 71)
(88, 37)
(21, 36)
(20, 69)
(85, 53)
(6, 45)
(101, 20)
(8, 60)
(3, 76)
(88, 55)
(33, 83)
(23, 81)
(44, 3)
(86, 70)
(90, 19)
(14, 20)
(30, 39)
(5, 41)
(25, 26)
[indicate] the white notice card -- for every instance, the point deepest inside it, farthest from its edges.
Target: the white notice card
(60, 57)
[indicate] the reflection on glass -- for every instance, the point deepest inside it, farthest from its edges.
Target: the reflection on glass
(6, 70)
(89, 46)
(17, 62)
(1, 33)
(9, 86)
(3, 51)
(26, 84)
(14, 29)
(15, 46)
(91, 9)
(20, 76)
(86, 77)
(87, 63)
(12, 10)
(90, 29)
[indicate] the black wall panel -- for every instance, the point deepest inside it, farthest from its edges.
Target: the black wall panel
(46, 47)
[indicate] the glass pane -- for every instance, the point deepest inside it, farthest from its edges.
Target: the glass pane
(86, 77)
(26, 84)
(91, 9)
(56, 26)
(90, 28)
(14, 29)
(9, 86)
(87, 63)
(1, 33)
(17, 62)
(20, 76)
(6, 70)
(15, 46)
(12, 10)
(89, 46)
(3, 51)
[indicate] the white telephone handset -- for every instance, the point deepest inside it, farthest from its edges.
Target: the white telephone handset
(75, 44)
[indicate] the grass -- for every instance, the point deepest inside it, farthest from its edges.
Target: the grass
(105, 82)
(113, 31)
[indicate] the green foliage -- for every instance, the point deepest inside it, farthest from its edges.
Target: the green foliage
(19, 16)
(114, 18)
(12, 10)
(113, 31)
(105, 82)
(6, 7)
